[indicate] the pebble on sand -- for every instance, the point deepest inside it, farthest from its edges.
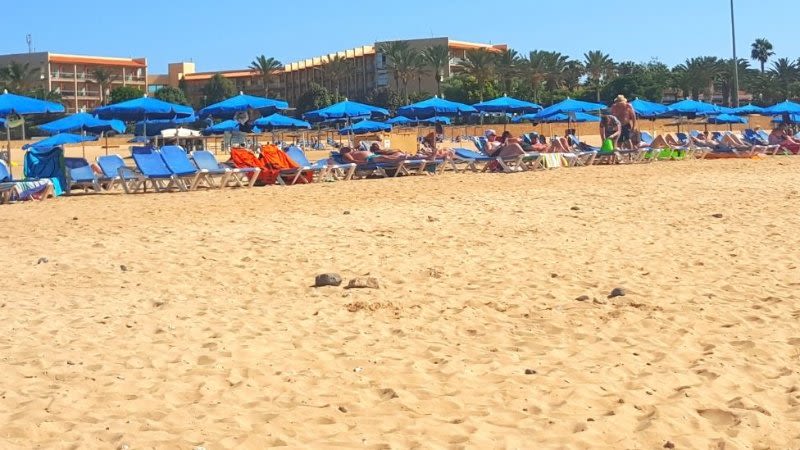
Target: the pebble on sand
(363, 282)
(530, 372)
(617, 292)
(582, 298)
(717, 215)
(327, 279)
(42, 260)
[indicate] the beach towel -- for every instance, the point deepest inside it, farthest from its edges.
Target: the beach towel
(276, 159)
(45, 164)
(243, 158)
(31, 190)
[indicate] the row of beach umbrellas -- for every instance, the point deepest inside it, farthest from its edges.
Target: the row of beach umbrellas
(357, 116)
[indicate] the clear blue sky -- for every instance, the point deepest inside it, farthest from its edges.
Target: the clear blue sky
(222, 35)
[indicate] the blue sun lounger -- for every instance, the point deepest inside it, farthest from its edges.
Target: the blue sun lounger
(80, 175)
(115, 172)
(241, 177)
(178, 162)
(322, 168)
(154, 171)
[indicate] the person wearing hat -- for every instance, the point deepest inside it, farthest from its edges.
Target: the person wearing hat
(624, 112)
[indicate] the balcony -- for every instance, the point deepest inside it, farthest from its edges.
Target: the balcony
(62, 76)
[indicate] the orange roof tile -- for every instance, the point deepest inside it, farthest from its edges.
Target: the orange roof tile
(74, 59)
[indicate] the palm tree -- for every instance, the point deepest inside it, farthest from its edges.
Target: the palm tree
(267, 68)
(573, 71)
(402, 62)
(18, 77)
(760, 51)
(535, 68)
(419, 68)
(785, 74)
(103, 78)
(725, 79)
(337, 70)
(507, 64)
(437, 57)
(480, 64)
(599, 68)
(699, 75)
(556, 64)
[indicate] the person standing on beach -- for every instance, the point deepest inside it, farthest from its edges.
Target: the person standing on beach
(624, 112)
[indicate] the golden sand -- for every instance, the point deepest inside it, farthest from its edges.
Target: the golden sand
(188, 319)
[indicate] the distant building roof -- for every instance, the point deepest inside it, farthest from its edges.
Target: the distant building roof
(81, 59)
(225, 73)
(464, 45)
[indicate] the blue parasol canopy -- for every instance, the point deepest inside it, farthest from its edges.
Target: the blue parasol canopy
(19, 104)
(227, 108)
(56, 141)
(143, 108)
(346, 110)
(748, 109)
(646, 109)
(366, 126)
(726, 118)
(507, 104)
(401, 120)
(83, 122)
(794, 118)
(435, 106)
(689, 106)
(785, 107)
(559, 117)
(154, 127)
(225, 126)
(279, 121)
(570, 105)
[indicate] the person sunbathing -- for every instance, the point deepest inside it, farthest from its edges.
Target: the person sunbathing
(495, 147)
(778, 136)
(665, 141)
(363, 156)
(540, 145)
(376, 149)
(429, 148)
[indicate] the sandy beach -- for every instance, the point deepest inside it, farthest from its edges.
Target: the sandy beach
(172, 321)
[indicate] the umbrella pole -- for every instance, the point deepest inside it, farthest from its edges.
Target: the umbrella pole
(8, 145)
(106, 136)
(83, 143)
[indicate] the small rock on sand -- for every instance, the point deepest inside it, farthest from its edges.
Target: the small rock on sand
(363, 282)
(717, 215)
(346, 213)
(617, 292)
(582, 298)
(530, 372)
(575, 208)
(669, 444)
(42, 260)
(327, 279)
(123, 267)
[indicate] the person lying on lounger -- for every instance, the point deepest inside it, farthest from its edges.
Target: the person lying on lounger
(779, 136)
(495, 147)
(665, 141)
(430, 149)
(376, 149)
(363, 156)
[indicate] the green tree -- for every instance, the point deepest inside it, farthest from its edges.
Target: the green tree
(760, 51)
(268, 69)
(218, 89)
(438, 58)
(385, 98)
(402, 62)
(573, 71)
(599, 70)
(103, 78)
(699, 75)
(646, 81)
(480, 64)
(19, 77)
(785, 74)
(535, 69)
(336, 70)
(172, 95)
(507, 65)
(725, 83)
(314, 98)
(123, 93)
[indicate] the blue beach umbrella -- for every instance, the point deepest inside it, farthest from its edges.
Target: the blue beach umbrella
(20, 105)
(748, 109)
(58, 140)
(279, 121)
(143, 108)
(785, 107)
(366, 126)
(153, 127)
(559, 117)
(435, 106)
(225, 126)
(436, 119)
(726, 118)
(83, 122)
(400, 120)
(346, 110)
(506, 104)
(689, 106)
(794, 118)
(570, 105)
(646, 109)
(227, 108)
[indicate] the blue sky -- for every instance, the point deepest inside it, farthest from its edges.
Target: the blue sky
(228, 35)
